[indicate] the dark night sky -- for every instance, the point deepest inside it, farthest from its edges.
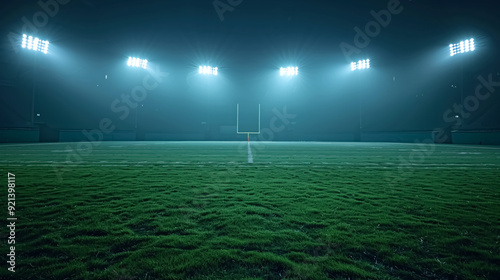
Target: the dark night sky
(408, 87)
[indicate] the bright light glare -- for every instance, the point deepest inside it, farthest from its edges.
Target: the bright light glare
(208, 70)
(462, 47)
(137, 62)
(289, 71)
(35, 44)
(362, 64)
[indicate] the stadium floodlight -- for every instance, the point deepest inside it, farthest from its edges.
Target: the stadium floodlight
(362, 64)
(208, 70)
(463, 47)
(137, 62)
(289, 71)
(35, 44)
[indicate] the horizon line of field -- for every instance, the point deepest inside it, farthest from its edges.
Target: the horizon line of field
(338, 143)
(13, 163)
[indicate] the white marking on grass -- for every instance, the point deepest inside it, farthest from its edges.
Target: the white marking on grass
(33, 144)
(250, 157)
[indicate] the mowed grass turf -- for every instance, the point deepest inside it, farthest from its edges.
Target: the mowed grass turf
(199, 210)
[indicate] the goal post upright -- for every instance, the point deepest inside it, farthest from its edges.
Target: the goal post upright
(259, 118)
(238, 124)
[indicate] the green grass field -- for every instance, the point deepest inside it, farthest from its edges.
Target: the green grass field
(199, 210)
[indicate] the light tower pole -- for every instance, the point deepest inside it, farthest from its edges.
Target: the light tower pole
(360, 65)
(37, 45)
(462, 47)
